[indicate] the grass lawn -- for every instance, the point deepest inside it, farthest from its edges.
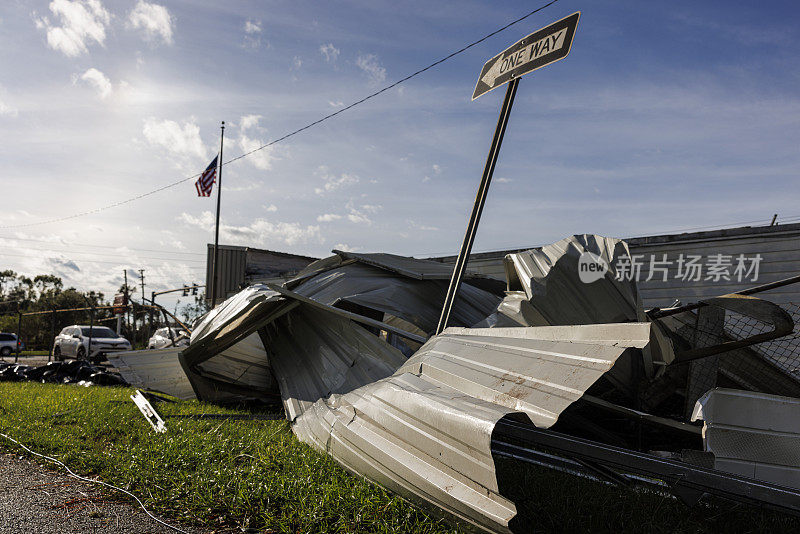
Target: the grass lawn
(31, 353)
(214, 473)
(239, 473)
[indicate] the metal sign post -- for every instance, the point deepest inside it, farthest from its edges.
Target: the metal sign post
(538, 49)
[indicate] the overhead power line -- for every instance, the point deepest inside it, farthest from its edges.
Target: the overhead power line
(50, 242)
(120, 262)
(103, 254)
(292, 133)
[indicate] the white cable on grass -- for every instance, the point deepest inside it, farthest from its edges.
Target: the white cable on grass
(72, 474)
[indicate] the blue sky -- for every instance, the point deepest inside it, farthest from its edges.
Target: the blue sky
(664, 116)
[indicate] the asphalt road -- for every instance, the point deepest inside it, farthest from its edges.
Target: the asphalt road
(35, 499)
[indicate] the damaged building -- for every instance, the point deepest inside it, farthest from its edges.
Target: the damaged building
(542, 361)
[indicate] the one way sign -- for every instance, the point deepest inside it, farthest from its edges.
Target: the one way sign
(538, 49)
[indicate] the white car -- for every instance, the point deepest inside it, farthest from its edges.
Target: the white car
(73, 341)
(162, 339)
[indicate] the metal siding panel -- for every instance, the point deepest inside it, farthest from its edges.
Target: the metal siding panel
(779, 248)
(780, 259)
(158, 370)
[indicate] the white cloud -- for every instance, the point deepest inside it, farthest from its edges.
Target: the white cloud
(260, 231)
(330, 52)
(412, 225)
(252, 30)
(344, 247)
(6, 108)
(153, 19)
(181, 140)
(297, 62)
(333, 182)
(437, 169)
(372, 208)
(81, 21)
(252, 26)
(328, 217)
(271, 208)
(249, 121)
(98, 80)
(359, 215)
(261, 159)
(504, 180)
(370, 65)
(336, 104)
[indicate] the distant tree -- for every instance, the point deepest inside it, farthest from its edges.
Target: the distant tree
(192, 312)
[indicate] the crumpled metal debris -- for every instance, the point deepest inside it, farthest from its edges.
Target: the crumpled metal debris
(552, 347)
(69, 372)
(334, 339)
(402, 294)
(553, 285)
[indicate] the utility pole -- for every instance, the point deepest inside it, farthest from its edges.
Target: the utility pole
(131, 326)
(141, 274)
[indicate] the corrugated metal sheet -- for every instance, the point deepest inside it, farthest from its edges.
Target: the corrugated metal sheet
(245, 364)
(425, 432)
(157, 370)
(752, 434)
(230, 269)
(406, 266)
(242, 266)
(552, 281)
(417, 301)
(316, 354)
(372, 291)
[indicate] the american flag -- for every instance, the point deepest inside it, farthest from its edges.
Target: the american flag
(205, 183)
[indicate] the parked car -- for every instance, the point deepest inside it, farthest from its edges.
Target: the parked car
(73, 341)
(9, 343)
(161, 338)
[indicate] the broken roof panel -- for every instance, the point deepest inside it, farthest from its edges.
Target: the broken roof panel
(407, 266)
(157, 370)
(417, 301)
(425, 432)
(552, 280)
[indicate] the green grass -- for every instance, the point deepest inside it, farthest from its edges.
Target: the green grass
(208, 472)
(30, 353)
(34, 353)
(235, 473)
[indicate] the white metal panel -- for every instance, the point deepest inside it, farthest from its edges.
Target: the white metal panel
(752, 434)
(158, 370)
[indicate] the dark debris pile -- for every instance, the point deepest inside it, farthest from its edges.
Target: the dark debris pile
(77, 372)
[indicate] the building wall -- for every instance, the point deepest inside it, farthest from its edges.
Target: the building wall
(230, 270)
(242, 266)
(779, 247)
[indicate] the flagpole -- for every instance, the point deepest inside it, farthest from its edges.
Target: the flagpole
(214, 284)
